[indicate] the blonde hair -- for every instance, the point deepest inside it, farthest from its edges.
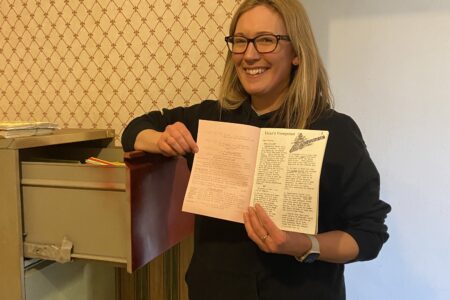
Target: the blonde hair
(308, 95)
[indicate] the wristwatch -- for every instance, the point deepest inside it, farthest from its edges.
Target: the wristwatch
(313, 253)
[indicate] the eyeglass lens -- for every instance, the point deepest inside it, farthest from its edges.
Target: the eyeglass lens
(263, 43)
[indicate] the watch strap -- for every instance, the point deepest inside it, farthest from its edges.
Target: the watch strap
(315, 249)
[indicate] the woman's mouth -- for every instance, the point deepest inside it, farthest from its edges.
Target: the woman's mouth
(255, 71)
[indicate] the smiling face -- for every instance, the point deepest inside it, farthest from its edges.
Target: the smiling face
(264, 76)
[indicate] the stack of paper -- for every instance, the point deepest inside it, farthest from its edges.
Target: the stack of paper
(12, 129)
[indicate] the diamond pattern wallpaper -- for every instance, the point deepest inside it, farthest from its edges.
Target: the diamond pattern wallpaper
(98, 64)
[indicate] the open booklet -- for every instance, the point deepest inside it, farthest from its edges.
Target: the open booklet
(239, 165)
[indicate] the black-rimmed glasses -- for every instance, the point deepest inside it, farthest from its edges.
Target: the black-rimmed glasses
(264, 43)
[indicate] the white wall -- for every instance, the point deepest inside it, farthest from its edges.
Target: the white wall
(389, 65)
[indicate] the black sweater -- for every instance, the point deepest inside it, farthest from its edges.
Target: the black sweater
(227, 265)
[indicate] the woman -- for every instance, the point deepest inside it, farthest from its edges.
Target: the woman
(274, 77)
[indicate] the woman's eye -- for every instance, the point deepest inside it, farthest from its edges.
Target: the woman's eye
(265, 40)
(240, 41)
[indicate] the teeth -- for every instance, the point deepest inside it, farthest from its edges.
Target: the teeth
(255, 71)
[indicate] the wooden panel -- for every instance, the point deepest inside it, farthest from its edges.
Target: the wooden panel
(161, 279)
(186, 250)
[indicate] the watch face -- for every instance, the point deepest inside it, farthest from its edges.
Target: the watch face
(311, 257)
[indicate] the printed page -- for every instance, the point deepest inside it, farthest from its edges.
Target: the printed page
(222, 174)
(287, 177)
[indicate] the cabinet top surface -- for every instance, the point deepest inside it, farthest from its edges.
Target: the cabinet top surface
(61, 136)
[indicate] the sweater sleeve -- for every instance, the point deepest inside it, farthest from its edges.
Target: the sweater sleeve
(362, 212)
(158, 120)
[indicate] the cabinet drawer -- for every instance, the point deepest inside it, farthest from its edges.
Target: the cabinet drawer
(89, 205)
(121, 214)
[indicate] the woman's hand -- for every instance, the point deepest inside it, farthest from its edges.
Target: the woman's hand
(335, 246)
(176, 140)
(269, 238)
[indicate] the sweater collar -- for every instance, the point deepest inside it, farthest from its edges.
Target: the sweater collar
(247, 106)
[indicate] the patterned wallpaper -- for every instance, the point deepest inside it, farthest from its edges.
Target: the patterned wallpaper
(98, 64)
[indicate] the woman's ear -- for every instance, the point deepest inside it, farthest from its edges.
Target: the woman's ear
(295, 61)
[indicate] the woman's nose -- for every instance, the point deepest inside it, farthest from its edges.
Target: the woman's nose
(251, 53)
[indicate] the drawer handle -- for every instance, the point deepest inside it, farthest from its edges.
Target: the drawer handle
(93, 185)
(49, 252)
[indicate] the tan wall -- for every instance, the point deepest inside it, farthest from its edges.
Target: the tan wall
(97, 64)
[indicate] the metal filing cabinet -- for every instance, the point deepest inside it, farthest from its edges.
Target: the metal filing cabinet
(55, 207)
